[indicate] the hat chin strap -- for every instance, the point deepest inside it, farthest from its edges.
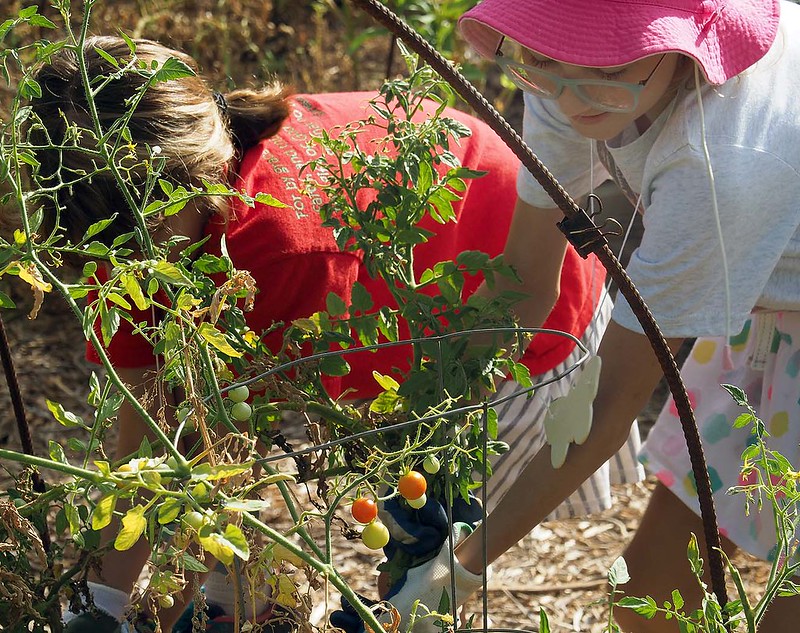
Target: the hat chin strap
(727, 361)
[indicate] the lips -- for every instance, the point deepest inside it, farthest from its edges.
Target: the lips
(589, 118)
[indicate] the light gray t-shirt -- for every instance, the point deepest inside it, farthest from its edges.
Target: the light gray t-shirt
(753, 137)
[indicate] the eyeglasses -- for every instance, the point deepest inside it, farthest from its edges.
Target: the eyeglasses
(602, 94)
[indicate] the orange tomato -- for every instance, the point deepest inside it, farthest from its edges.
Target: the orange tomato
(412, 485)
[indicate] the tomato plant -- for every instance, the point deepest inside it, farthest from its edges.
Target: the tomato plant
(198, 301)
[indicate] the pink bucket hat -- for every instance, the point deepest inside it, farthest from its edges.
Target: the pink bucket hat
(725, 37)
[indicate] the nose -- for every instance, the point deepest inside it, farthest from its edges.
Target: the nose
(571, 104)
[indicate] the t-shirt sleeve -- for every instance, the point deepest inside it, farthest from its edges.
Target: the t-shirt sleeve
(678, 267)
(565, 153)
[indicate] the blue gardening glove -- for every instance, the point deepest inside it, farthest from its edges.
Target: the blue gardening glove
(416, 536)
(417, 533)
(427, 587)
(421, 592)
(417, 555)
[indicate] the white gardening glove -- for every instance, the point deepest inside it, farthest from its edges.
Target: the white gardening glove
(425, 584)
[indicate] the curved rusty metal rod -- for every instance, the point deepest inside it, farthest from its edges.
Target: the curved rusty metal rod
(593, 242)
(23, 430)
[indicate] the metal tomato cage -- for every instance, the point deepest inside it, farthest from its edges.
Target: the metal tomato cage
(447, 417)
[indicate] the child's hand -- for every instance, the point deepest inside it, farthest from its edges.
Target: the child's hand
(419, 591)
(423, 588)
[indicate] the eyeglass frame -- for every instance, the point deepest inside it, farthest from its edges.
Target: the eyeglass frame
(562, 82)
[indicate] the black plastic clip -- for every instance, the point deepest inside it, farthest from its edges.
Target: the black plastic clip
(582, 232)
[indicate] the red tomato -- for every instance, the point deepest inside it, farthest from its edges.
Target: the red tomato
(412, 485)
(364, 510)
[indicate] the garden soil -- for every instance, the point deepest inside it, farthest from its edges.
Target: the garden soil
(560, 566)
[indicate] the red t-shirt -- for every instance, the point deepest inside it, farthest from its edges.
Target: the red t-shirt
(296, 262)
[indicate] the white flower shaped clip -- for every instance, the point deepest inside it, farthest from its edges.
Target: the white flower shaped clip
(569, 418)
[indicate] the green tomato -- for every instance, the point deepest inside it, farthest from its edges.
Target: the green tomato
(418, 503)
(375, 535)
(193, 520)
(239, 394)
(166, 601)
(431, 465)
(241, 411)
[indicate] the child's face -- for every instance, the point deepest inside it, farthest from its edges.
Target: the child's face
(596, 124)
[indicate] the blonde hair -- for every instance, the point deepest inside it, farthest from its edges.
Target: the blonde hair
(197, 138)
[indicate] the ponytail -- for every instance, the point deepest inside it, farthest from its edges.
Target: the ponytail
(255, 115)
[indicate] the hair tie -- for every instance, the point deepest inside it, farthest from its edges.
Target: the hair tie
(221, 101)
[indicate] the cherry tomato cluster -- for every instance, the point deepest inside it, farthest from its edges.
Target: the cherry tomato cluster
(241, 410)
(375, 534)
(412, 487)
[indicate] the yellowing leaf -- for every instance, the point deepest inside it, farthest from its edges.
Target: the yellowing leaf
(281, 553)
(217, 339)
(387, 382)
(30, 274)
(169, 511)
(133, 525)
(118, 299)
(206, 471)
(103, 511)
(225, 546)
(134, 290)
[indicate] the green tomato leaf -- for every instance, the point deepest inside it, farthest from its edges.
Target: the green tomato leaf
(334, 366)
(64, 417)
(386, 382)
(618, 574)
(738, 394)
(192, 564)
(134, 290)
(97, 227)
(119, 300)
(246, 505)
(172, 69)
(265, 198)
(169, 511)
(57, 452)
(544, 622)
(646, 607)
(335, 305)
(360, 298)
(170, 273)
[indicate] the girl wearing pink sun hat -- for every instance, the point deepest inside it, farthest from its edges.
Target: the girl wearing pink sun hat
(692, 108)
(724, 38)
